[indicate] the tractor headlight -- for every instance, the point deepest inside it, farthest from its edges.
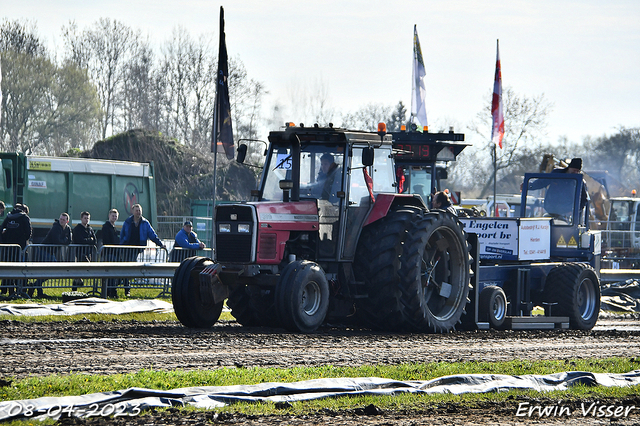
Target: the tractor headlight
(224, 227)
(243, 227)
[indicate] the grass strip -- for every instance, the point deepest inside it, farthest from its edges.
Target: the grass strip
(78, 384)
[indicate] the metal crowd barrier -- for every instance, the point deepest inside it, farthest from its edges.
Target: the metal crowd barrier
(38, 266)
(11, 253)
(133, 254)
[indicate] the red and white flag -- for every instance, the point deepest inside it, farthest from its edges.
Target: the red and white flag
(497, 130)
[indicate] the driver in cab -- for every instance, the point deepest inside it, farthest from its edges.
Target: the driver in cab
(325, 185)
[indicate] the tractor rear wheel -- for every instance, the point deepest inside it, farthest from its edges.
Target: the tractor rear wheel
(376, 267)
(492, 306)
(302, 296)
(192, 300)
(576, 290)
(252, 306)
(435, 273)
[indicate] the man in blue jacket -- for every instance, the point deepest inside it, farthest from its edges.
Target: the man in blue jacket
(136, 231)
(188, 239)
(187, 243)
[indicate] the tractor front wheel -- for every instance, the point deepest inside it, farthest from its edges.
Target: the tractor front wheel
(193, 300)
(302, 296)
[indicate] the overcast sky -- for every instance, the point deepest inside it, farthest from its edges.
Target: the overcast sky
(584, 56)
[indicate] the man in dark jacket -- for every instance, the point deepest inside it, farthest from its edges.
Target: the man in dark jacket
(83, 235)
(111, 237)
(58, 235)
(15, 229)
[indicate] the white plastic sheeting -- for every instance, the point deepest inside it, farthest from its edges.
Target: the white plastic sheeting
(131, 402)
(91, 305)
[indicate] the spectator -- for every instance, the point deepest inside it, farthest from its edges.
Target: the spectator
(111, 237)
(15, 229)
(83, 235)
(58, 235)
(2, 207)
(187, 243)
(442, 201)
(188, 239)
(136, 231)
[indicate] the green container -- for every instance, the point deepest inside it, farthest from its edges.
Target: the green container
(52, 185)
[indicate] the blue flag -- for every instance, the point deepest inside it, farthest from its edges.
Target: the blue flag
(222, 129)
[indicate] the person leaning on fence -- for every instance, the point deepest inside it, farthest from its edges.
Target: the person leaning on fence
(58, 235)
(83, 235)
(188, 240)
(111, 237)
(16, 229)
(136, 231)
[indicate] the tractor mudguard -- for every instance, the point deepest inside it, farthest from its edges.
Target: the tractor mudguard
(211, 285)
(384, 202)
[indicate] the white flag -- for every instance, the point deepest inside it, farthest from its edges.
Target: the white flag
(497, 130)
(418, 92)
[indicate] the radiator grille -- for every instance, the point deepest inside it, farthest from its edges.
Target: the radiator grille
(233, 246)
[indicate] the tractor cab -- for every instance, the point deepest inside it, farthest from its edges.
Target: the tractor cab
(563, 199)
(421, 160)
(338, 171)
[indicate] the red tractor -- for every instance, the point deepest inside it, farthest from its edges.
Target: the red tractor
(327, 238)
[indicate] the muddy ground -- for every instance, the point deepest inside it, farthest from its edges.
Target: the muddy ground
(40, 349)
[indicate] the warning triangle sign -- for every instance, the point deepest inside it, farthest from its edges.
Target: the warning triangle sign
(561, 242)
(572, 242)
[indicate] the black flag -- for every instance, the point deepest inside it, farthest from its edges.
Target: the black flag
(222, 130)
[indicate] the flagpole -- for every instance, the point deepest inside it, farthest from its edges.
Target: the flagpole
(497, 124)
(495, 175)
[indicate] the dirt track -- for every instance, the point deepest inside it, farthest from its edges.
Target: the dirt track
(121, 347)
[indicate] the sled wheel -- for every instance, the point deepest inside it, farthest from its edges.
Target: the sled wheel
(576, 289)
(492, 306)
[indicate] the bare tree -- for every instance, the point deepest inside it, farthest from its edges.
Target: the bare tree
(104, 51)
(525, 123)
(46, 108)
(368, 117)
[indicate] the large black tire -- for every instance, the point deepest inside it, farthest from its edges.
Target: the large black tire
(492, 306)
(376, 266)
(576, 290)
(193, 308)
(253, 306)
(435, 273)
(302, 296)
